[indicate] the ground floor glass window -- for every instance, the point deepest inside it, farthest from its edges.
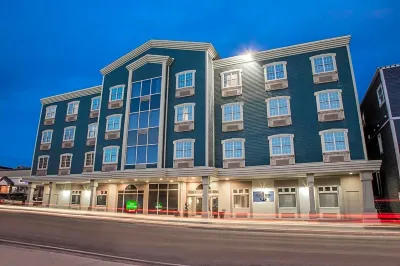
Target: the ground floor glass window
(163, 199)
(287, 197)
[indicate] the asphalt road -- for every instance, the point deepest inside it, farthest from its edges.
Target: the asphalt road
(189, 246)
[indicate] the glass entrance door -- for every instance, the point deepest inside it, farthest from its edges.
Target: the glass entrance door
(213, 203)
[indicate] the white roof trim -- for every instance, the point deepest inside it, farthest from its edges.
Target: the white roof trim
(284, 51)
(149, 58)
(181, 45)
(71, 95)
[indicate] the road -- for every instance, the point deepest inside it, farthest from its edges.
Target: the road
(189, 246)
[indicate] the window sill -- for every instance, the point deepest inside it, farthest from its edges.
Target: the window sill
(71, 118)
(232, 91)
(49, 121)
(281, 160)
(67, 144)
(325, 77)
(88, 169)
(45, 146)
(184, 126)
(91, 142)
(109, 167)
(336, 156)
(277, 84)
(64, 171)
(330, 115)
(184, 163)
(115, 134)
(234, 163)
(232, 126)
(184, 92)
(279, 121)
(115, 104)
(94, 114)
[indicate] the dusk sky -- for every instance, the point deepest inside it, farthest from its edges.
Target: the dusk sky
(52, 47)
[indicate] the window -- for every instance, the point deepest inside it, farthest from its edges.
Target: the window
(287, 197)
(76, 197)
(95, 104)
(278, 106)
(185, 79)
(380, 143)
(116, 93)
(89, 159)
(231, 78)
(233, 149)
(275, 71)
(381, 96)
(184, 149)
(43, 162)
(328, 197)
(47, 136)
(113, 123)
(363, 119)
(72, 108)
(323, 63)
(69, 134)
(334, 140)
(329, 100)
(51, 112)
(232, 112)
(241, 198)
(101, 199)
(65, 160)
(184, 112)
(110, 155)
(281, 145)
(92, 131)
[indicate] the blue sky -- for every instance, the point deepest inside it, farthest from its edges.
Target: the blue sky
(51, 47)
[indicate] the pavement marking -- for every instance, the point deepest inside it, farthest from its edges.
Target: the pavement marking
(91, 254)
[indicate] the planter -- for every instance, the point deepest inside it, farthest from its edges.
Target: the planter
(185, 214)
(221, 215)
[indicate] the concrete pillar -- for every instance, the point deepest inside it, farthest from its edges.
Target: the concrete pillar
(368, 205)
(29, 197)
(50, 194)
(311, 195)
(93, 195)
(205, 181)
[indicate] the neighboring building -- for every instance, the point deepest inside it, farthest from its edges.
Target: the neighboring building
(381, 113)
(173, 128)
(13, 188)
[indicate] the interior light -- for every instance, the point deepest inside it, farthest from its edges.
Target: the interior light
(66, 192)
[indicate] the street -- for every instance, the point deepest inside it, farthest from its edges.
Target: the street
(189, 246)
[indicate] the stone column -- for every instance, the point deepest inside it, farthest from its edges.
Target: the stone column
(50, 194)
(205, 181)
(93, 195)
(368, 206)
(29, 197)
(311, 196)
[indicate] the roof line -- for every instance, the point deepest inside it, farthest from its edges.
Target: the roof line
(71, 95)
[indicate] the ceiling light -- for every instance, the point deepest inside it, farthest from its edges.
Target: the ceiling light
(171, 181)
(147, 181)
(351, 173)
(109, 180)
(135, 179)
(226, 178)
(160, 178)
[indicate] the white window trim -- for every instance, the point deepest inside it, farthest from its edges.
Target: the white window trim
(77, 109)
(91, 103)
(280, 136)
(47, 111)
(185, 72)
(290, 188)
(346, 139)
(113, 87)
(241, 194)
(42, 157)
(184, 105)
(380, 144)
(327, 192)
(51, 138)
(222, 74)
(74, 127)
(120, 121)
(86, 154)
(241, 112)
(328, 91)
(277, 98)
(95, 135)
(322, 55)
(284, 63)
(383, 94)
(104, 154)
(65, 154)
(233, 139)
(184, 140)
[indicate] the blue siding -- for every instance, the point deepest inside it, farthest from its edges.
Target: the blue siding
(305, 127)
(392, 79)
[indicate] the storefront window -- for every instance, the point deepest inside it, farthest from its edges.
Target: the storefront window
(130, 200)
(241, 198)
(163, 199)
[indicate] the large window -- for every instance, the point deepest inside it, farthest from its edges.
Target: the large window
(76, 197)
(113, 123)
(95, 106)
(89, 159)
(232, 112)
(110, 155)
(328, 197)
(47, 136)
(144, 122)
(184, 112)
(69, 134)
(185, 79)
(43, 162)
(65, 161)
(163, 199)
(72, 108)
(233, 149)
(92, 131)
(183, 149)
(287, 197)
(281, 145)
(334, 140)
(323, 63)
(241, 198)
(101, 198)
(380, 95)
(116, 93)
(329, 100)
(278, 106)
(231, 78)
(275, 71)
(51, 112)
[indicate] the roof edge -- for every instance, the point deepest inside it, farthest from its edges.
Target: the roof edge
(71, 95)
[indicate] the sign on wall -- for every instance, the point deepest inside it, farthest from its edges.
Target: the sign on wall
(261, 196)
(131, 206)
